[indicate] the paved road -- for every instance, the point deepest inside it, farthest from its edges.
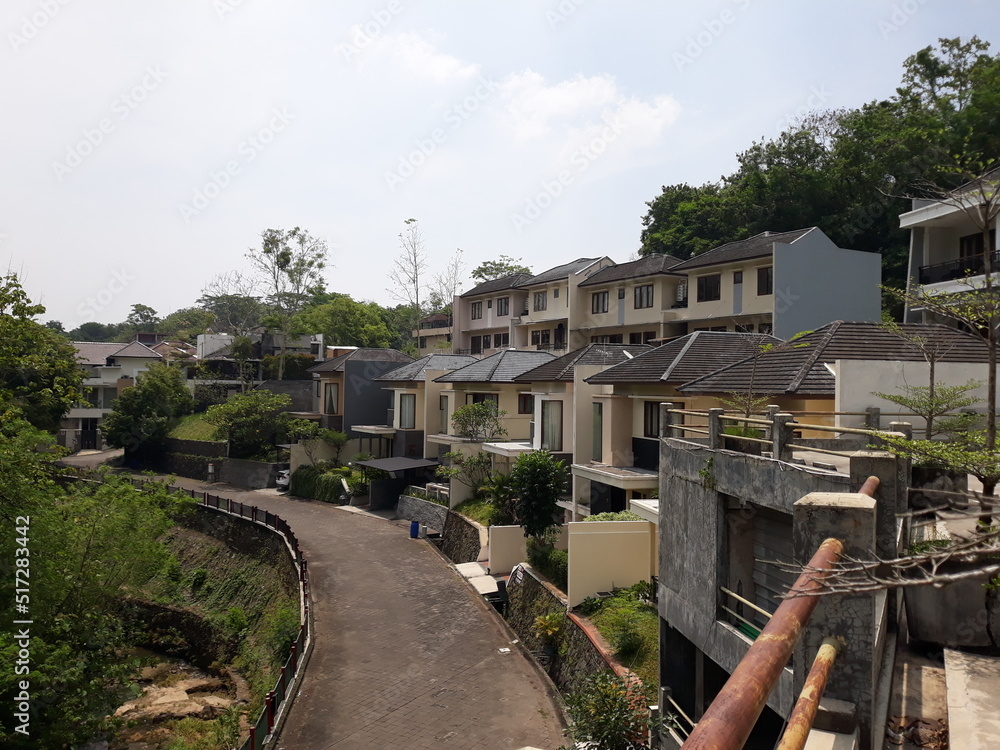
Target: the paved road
(406, 654)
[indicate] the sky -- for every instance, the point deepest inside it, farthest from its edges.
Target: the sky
(147, 145)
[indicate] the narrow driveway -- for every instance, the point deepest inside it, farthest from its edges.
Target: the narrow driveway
(407, 655)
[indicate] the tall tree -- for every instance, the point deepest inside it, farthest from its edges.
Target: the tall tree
(141, 417)
(234, 301)
(142, 318)
(498, 268)
(346, 322)
(408, 270)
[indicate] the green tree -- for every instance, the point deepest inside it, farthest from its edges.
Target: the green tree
(251, 422)
(471, 469)
(141, 417)
(142, 318)
(310, 435)
(479, 421)
(609, 713)
(94, 331)
(538, 481)
(185, 324)
(502, 266)
(234, 301)
(346, 322)
(38, 368)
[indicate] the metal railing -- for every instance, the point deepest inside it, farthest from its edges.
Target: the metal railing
(961, 268)
(278, 700)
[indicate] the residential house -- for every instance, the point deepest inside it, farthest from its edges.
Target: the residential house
(837, 369)
(631, 303)
(568, 413)
(623, 464)
(554, 308)
(110, 368)
(484, 316)
(346, 394)
(779, 283)
(416, 406)
(490, 379)
(947, 243)
(433, 334)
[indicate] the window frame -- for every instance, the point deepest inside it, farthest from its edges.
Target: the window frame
(550, 442)
(410, 398)
(643, 297)
(540, 302)
(476, 310)
(708, 285)
(651, 419)
(503, 306)
(599, 303)
(765, 281)
(525, 399)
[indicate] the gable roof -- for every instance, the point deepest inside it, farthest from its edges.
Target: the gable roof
(759, 246)
(501, 367)
(651, 265)
(559, 272)
(497, 285)
(563, 368)
(683, 359)
(415, 370)
(336, 364)
(96, 353)
(800, 368)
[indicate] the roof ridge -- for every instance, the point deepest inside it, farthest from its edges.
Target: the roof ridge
(680, 355)
(814, 355)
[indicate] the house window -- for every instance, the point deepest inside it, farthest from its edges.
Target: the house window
(525, 403)
(621, 293)
(641, 337)
(765, 281)
(479, 398)
(541, 301)
(477, 344)
(555, 293)
(487, 341)
(648, 336)
(545, 337)
(552, 437)
(489, 304)
(599, 302)
(616, 338)
(477, 311)
(501, 340)
(971, 245)
(651, 419)
(765, 328)
(332, 398)
(737, 277)
(643, 296)
(423, 342)
(443, 409)
(709, 288)
(536, 338)
(598, 453)
(503, 306)
(407, 411)
(744, 328)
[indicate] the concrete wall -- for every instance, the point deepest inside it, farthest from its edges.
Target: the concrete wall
(857, 379)
(250, 475)
(364, 401)
(196, 447)
(816, 282)
(607, 554)
(507, 548)
(300, 391)
(425, 512)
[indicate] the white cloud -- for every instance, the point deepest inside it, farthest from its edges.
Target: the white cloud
(420, 57)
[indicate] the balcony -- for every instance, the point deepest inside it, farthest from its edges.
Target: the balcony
(957, 269)
(557, 347)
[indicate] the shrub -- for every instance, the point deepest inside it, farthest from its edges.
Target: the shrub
(550, 562)
(609, 713)
(622, 515)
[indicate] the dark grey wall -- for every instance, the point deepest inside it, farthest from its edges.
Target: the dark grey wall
(409, 443)
(300, 391)
(365, 402)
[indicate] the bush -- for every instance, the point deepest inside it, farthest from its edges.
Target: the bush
(550, 562)
(319, 482)
(622, 515)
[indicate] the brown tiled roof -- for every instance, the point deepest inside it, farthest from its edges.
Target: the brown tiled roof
(497, 285)
(651, 265)
(799, 368)
(559, 272)
(562, 368)
(336, 364)
(97, 352)
(683, 359)
(758, 246)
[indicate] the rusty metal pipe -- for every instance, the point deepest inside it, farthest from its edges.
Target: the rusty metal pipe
(869, 487)
(801, 719)
(729, 720)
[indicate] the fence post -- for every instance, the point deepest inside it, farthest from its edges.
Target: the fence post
(295, 655)
(253, 737)
(270, 711)
(715, 428)
(666, 420)
(904, 427)
(873, 420)
(781, 436)
(771, 412)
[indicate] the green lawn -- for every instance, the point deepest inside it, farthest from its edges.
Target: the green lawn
(193, 427)
(480, 511)
(620, 611)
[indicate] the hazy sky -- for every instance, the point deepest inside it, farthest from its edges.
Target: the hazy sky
(146, 145)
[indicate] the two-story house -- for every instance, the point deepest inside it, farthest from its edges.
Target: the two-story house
(947, 243)
(777, 282)
(485, 315)
(631, 303)
(110, 368)
(433, 334)
(554, 308)
(417, 407)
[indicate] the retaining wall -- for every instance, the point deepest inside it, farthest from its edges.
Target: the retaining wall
(250, 475)
(432, 515)
(462, 539)
(196, 447)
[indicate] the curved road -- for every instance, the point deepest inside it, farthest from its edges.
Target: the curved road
(406, 655)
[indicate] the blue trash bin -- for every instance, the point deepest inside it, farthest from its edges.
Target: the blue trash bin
(414, 529)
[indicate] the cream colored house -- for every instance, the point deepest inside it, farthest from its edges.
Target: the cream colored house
(485, 315)
(433, 334)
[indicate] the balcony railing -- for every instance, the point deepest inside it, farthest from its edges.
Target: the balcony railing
(557, 347)
(958, 269)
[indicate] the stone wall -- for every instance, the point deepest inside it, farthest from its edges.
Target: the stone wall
(431, 515)
(250, 475)
(576, 658)
(186, 465)
(196, 447)
(461, 539)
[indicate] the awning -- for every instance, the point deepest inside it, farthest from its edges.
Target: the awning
(394, 465)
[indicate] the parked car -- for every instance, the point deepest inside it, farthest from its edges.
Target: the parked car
(283, 480)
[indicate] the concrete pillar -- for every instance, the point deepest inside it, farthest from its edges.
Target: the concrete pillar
(771, 412)
(890, 496)
(904, 427)
(667, 420)
(874, 419)
(852, 617)
(781, 436)
(715, 439)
